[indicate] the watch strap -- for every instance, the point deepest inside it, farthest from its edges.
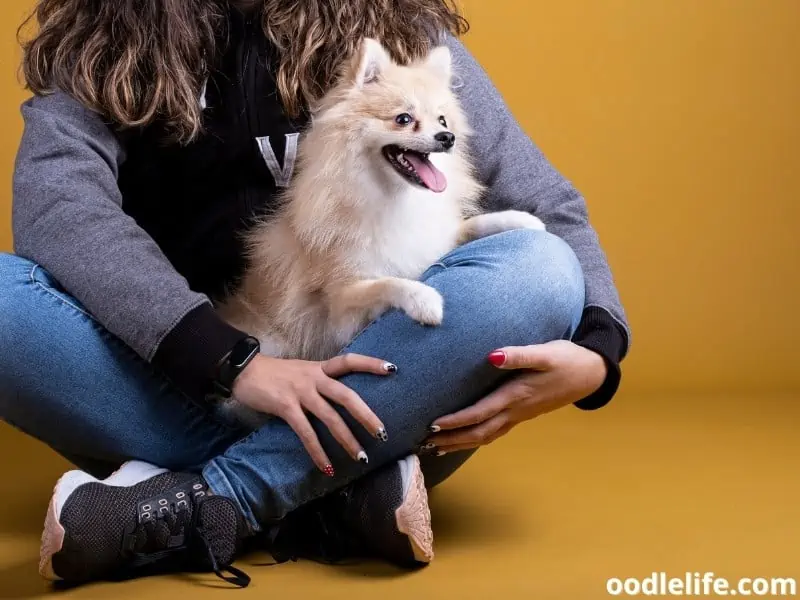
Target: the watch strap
(234, 362)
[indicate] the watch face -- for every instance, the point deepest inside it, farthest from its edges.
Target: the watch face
(243, 351)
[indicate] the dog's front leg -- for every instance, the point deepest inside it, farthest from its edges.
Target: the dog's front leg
(481, 226)
(360, 302)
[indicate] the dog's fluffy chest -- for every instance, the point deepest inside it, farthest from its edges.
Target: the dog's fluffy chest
(409, 239)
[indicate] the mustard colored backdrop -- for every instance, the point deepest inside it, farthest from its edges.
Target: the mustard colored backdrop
(678, 119)
(11, 95)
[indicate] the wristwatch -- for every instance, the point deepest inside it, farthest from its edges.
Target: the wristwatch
(233, 364)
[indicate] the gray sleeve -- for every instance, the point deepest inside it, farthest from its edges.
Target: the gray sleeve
(519, 177)
(68, 217)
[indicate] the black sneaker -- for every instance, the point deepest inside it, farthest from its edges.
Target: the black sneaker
(141, 519)
(383, 515)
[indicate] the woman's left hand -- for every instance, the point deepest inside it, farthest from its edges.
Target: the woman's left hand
(551, 375)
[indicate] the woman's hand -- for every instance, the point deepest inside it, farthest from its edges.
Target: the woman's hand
(290, 388)
(551, 375)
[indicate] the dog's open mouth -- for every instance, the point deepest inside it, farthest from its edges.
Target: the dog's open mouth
(416, 168)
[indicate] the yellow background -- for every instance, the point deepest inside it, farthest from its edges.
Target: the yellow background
(678, 120)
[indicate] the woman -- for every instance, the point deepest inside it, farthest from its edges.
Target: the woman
(157, 129)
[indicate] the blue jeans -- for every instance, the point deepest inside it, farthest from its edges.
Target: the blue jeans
(68, 382)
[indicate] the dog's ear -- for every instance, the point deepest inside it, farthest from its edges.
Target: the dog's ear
(440, 62)
(371, 60)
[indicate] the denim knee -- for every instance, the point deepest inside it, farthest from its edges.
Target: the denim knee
(15, 273)
(541, 276)
(15, 276)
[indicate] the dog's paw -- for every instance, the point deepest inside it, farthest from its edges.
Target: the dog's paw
(488, 224)
(508, 220)
(421, 302)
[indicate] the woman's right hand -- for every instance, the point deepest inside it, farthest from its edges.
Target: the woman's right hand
(290, 388)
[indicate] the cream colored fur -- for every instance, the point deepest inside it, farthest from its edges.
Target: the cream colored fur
(352, 236)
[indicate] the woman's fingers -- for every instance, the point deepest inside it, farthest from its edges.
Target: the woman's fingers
(356, 363)
(441, 451)
(483, 410)
(473, 436)
(537, 357)
(299, 422)
(337, 392)
(338, 428)
(451, 449)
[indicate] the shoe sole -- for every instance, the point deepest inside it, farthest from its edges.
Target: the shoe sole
(128, 474)
(413, 516)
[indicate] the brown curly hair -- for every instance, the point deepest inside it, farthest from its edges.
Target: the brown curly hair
(140, 62)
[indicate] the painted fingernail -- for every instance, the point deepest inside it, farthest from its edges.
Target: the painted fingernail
(434, 429)
(362, 457)
(441, 453)
(497, 358)
(328, 470)
(390, 367)
(382, 435)
(430, 446)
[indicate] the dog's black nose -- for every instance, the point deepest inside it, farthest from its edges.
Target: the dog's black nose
(446, 139)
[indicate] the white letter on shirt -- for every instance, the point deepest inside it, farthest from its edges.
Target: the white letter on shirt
(282, 175)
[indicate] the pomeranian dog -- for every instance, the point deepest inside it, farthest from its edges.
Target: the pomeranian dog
(384, 189)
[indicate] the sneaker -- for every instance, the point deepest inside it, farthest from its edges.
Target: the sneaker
(383, 515)
(141, 519)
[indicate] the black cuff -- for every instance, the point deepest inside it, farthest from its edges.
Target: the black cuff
(599, 331)
(190, 353)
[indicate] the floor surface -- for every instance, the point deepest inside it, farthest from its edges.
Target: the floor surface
(552, 511)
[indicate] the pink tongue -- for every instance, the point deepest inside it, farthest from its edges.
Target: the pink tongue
(432, 177)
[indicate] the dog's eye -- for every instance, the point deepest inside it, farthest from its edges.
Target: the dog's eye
(443, 121)
(404, 119)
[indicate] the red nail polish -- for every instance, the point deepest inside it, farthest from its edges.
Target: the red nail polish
(497, 358)
(328, 470)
